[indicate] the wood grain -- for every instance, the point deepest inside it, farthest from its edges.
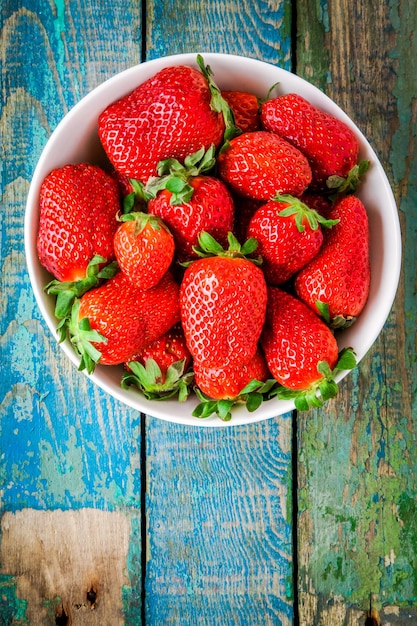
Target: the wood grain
(219, 521)
(219, 547)
(216, 513)
(64, 444)
(357, 474)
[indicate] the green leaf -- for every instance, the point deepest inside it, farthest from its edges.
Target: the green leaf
(253, 385)
(324, 369)
(301, 403)
(81, 335)
(328, 389)
(205, 409)
(218, 103)
(347, 360)
(150, 381)
(254, 401)
(323, 309)
(223, 409)
(302, 212)
(348, 184)
(66, 292)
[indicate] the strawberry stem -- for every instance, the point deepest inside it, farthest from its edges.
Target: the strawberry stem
(66, 292)
(209, 247)
(154, 385)
(174, 176)
(323, 389)
(343, 185)
(82, 337)
(252, 395)
(142, 219)
(295, 207)
(218, 103)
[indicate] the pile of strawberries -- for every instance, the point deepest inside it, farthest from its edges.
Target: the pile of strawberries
(219, 251)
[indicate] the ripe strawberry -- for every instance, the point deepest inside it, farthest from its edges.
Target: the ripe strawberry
(144, 248)
(245, 209)
(245, 108)
(261, 164)
(210, 209)
(169, 115)
(329, 144)
(189, 202)
(317, 202)
(336, 282)
(223, 302)
(289, 235)
(166, 350)
(113, 322)
(78, 207)
(226, 383)
(301, 351)
(161, 370)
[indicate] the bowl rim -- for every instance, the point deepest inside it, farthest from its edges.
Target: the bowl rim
(133, 398)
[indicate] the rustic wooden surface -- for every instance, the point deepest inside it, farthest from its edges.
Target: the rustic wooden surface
(109, 517)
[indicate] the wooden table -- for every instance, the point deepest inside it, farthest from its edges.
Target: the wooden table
(110, 517)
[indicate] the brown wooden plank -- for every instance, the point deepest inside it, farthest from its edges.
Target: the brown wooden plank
(357, 463)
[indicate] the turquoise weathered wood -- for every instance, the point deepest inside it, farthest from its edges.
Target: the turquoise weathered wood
(110, 517)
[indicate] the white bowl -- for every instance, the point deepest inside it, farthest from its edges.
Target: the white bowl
(75, 140)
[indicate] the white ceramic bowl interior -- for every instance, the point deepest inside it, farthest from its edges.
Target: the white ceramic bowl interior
(75, 139)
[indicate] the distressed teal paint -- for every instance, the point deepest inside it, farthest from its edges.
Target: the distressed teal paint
(363, 536)
(59, 29)
(131, 595)
(260, 30)
(323, 15)
(314, 20)
(12, 608)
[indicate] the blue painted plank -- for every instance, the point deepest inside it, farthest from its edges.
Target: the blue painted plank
(65, 446)
(219, 508)
(219, 501)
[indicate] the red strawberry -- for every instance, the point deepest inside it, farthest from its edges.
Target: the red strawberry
(336, 282)
(289, 235)
(318, 202)
(329, 144)
(112, 323)
(161, 370)
(166, 350)
(144, 248)
(223, 301)
(301, 351)
(226, 383)
(245, 108)
(189, 202)
(245, 209)
(78, 207)
(261, 164)
(209, 209)
(169, 115)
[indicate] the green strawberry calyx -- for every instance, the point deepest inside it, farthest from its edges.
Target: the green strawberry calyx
(302, 213)
(67, 291)
(338, 321)
(208, 246)
(142, 219)
(323, 389)
(174, 176)
(343, 185)
(154, 385)
(137, 199)
(252, 395)
(82, 337)
(218, 103)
